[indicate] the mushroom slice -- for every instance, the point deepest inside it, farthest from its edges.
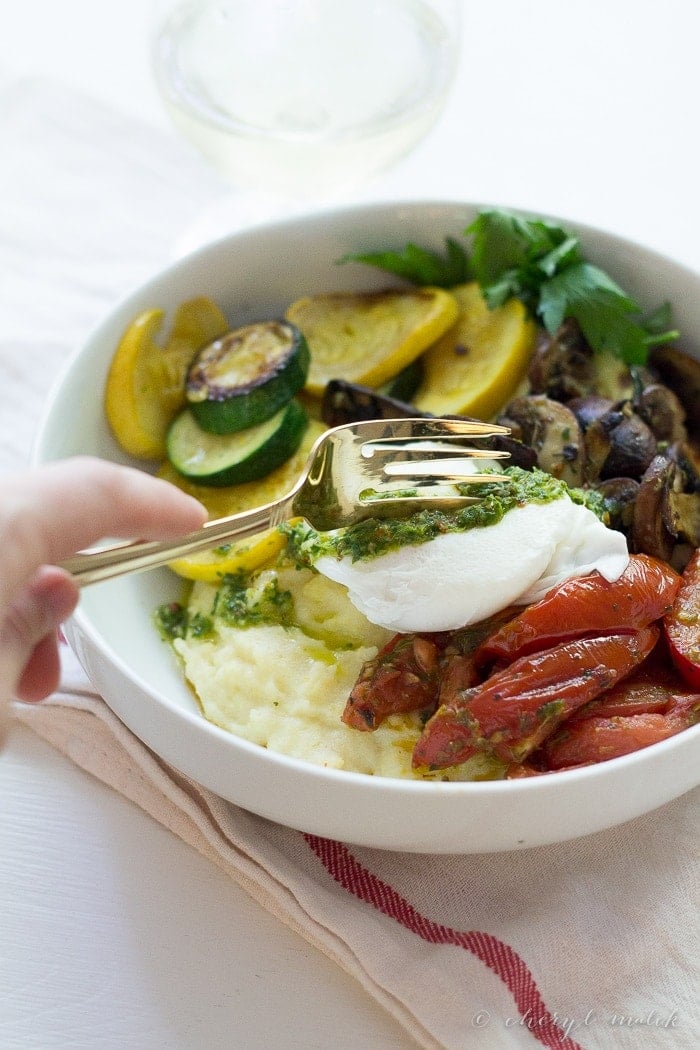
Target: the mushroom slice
(590, 408)
(649, 532)
(618, 444)
(681, 373)
(662, 411)
(562, 364)
(633, 447)
(667, 511)
(346, 402)
(681, 505)
(681, 514)
(598, 442)
(552, 430)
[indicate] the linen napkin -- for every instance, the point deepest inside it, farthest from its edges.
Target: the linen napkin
(587, 944)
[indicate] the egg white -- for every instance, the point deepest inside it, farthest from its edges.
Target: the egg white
(460, 578)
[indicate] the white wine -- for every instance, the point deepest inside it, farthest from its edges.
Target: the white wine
(300, 97)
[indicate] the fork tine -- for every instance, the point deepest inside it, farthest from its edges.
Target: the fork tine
(421, 478)
(426, 455)
(418, 428)
(451, 427)
(438, 468)
(391, 447)
(430, 435)
(386, 506)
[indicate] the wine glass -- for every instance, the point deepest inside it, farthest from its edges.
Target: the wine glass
(297, 102)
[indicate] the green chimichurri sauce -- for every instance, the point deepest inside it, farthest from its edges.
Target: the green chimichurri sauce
(240, 603)
(241, 600)
(373, 537)
(174, 620)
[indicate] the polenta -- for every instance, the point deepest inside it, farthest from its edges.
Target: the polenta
(278, 669)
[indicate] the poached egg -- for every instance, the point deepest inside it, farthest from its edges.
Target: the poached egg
(459, 578)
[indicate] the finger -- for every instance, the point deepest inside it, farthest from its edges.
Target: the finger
(42, 671)
(57, 509)
(28, 652)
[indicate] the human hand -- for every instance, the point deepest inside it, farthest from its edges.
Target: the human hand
(47, 514)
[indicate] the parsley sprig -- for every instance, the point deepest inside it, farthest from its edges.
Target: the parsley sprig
(542, 264)
(420, 266)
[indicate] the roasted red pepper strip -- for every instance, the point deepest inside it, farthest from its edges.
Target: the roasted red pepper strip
(587, 606)
(412, 671)
(654, 687)
(402, 677)
(599, 739)
(682, 625)
(458, 667)
(512, 712)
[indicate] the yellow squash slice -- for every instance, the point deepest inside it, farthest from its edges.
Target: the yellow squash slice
(146, 381)
(244, 556)
(367, 338)
(475, 368)
(249, 554)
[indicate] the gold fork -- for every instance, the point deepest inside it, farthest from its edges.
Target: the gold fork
(344, 481)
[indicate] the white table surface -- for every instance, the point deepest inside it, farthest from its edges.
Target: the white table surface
(112, 932)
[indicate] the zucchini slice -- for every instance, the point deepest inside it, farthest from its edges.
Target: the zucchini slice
(231, 459)
(245, 376)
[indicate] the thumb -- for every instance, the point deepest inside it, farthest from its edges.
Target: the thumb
(29, 665)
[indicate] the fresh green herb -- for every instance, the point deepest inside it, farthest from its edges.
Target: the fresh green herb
(511, 255)
(304, 544)
(244, 601)
(200, 626)
(609, 319)
(593, 500)
(420, 266)
(171, 620)
(658, 325)
(174, 620)
(543, 265)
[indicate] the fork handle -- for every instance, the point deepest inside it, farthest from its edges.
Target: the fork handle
(92, 566)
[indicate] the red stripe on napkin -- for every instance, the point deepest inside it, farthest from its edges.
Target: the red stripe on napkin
(498, 956)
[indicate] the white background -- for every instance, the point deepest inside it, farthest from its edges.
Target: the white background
(587, 110)
(584, 110)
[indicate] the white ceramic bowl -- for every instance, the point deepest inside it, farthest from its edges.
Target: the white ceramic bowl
(254, 275)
